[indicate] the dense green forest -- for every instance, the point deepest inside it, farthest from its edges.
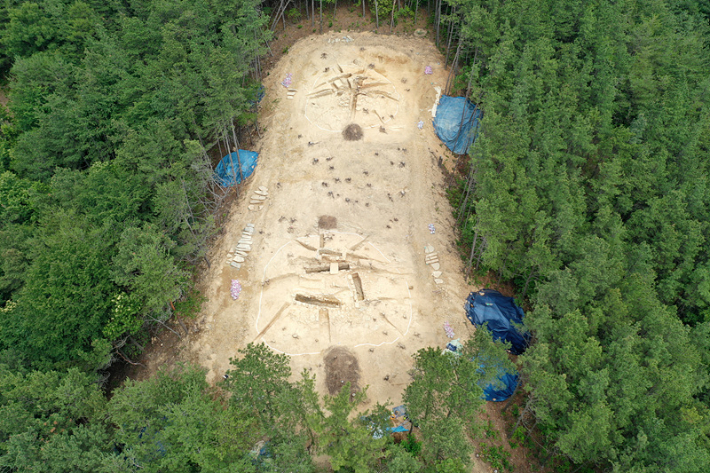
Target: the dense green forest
(587, 189)
(107, 190)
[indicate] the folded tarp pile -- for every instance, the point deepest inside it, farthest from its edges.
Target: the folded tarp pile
(227, 171)
(456, 123)
(501, 315)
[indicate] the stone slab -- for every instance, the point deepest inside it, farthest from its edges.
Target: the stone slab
(439, 281)
(436, 266)
(428, 249)
(238, 259)
(333, 268)
(235, 265)
(436, 274)
(263, 188)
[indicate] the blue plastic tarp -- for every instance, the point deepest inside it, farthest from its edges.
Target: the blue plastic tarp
(503, 385)
(227, 171)
(456, 123)
(501, 314)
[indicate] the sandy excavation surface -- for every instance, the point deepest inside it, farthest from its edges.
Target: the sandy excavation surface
(339, 251)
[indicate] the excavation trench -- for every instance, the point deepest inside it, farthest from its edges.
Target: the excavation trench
(320, 301)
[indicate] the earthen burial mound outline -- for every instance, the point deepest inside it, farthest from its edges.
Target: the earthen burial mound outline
(352, 93)
(318, 293)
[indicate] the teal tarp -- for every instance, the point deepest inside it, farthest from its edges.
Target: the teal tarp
(227, 171)
(457, 122)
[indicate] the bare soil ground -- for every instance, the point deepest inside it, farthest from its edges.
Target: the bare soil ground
(358, 280)
(337, 263)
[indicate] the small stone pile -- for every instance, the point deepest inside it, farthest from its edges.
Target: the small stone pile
(290, 93)
(258, 198)
(432, 258)
(239, 254)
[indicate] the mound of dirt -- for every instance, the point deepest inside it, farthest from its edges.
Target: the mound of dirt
(341, 367)
(352, 132)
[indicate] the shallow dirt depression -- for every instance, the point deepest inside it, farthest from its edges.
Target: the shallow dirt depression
(337, 261)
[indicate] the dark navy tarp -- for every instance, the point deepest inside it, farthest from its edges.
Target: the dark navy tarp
(500, 313)
(456, 123)
(503, 385)
(228, 176)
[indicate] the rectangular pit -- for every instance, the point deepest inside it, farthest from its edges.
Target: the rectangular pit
(359, 294)
(324, 268)
(320, 301)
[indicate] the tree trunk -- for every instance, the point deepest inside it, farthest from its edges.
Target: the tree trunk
(392, 20)
(363, 8)
(521, 416)
(321, 16)
(454, 64)
(335, 6)
(182, 324)
(527, 282)
(549, 456)
(510, 401)
(377, 16)
(473, 248)
(480, 254)
(231, 162)
(450, 35)
(136, 344)
(437, 7)
(219, 146)
(127, 359)
(416, 10)
(236, 142)
(275, 21)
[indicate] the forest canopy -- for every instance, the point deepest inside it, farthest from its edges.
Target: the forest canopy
(103, 165)
(588, 188)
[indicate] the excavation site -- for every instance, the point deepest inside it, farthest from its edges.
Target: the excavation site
(342, 238)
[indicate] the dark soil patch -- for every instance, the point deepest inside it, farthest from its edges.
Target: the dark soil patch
(341, 367)
(327, 222)
(352, 132)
